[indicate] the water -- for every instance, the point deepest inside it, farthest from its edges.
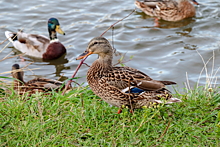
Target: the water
(167, 53)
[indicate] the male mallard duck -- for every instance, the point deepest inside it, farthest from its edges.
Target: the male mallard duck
(170, 10)
(122, 86)
(38, 45)
(35, 85)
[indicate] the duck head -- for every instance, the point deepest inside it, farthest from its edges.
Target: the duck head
(98, 45)
(16, 74)
(53, 27)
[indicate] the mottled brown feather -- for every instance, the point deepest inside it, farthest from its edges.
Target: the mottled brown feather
(32, 45)
(34, 85)
(169, 10)
(108, 82)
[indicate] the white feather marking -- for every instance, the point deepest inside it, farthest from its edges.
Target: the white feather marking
(158, 101)
(173, 100)
(157, 7)
(139, 83)
(55, 40)
(142, 93)
(126, 89)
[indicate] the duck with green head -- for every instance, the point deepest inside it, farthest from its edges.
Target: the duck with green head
(38, 45)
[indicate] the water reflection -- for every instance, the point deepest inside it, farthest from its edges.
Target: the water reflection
(185, 32)
(59, 64)
(167, 24)
(171, 48)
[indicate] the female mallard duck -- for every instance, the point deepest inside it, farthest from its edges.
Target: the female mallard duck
(170, 10)
(122, 86)
(35, 85)
(38, 45)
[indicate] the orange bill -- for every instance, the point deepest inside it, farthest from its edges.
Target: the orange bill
(83, 55)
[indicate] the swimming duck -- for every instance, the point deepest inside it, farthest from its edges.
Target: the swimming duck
(38, 45)
(169, 10)
(35, 85)
(122, 86)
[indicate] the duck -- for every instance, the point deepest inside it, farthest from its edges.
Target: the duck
(123, 87)
(169, 10)
(35, 85)
(39, 46)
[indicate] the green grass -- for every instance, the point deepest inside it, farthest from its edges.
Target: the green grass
(80, 118)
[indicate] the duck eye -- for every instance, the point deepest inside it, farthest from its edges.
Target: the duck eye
(95, 43)
(50, 22)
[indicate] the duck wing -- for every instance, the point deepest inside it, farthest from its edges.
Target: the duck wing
(126, 78)
(30, 44)
(158, 4)
(46, 84)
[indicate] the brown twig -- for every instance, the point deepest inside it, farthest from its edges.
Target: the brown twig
(120, 61)
(72, 81)
(86, 64)
(161, 136)
(10, 57)
(165, 131)
(76, 83)
(80, 64)
(27, 65)
(74, 74)
(117, 22)
(8, 42)
(22, 69)
(4, 41)
(60, 77)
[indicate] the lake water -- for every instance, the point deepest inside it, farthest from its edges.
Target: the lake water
(167, 53)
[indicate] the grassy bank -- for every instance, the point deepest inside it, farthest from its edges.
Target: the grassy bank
(81, 119)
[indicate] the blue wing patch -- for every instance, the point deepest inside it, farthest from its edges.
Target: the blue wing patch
(135, 90)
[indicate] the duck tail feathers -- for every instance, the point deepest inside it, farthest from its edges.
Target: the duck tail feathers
(173, 100)
(167, 82)
(11, 36)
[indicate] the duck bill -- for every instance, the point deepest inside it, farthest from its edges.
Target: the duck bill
(83, 55)
(59, 30)
(195, 2)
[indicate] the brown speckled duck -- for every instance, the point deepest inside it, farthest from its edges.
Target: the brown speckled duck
(35, 85)
(122, 86)
(169, 10)
(38, 45)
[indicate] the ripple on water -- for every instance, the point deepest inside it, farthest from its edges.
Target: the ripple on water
(165, 53)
